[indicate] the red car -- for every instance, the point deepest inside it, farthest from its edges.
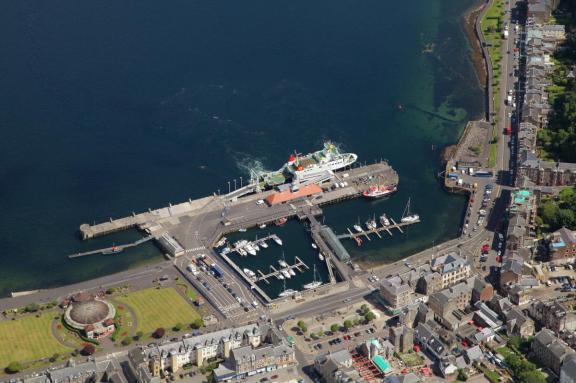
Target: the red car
(485, 248)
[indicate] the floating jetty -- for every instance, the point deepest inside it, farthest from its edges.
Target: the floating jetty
(275, 272)
(376, 230)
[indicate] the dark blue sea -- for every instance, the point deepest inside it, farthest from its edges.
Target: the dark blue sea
(109, 107)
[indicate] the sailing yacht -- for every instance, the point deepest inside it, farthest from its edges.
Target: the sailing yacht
(371, 224)
(407, 217)
(384, 220)
(315, 283)
(286, 292)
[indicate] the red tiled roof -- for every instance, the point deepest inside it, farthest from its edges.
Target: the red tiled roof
(288, 195)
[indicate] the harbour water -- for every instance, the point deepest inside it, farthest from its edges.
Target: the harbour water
(114, 107)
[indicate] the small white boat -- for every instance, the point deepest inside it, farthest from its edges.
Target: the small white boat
(277, 240)
(250, 249)
(292, 272)
(410, 218)
(407, 217)
(384, 220)
(320, 256)
(221, 242)
(249, 273)
(242, 230)
(315, 283)
(262, 226)
(314, 245)
(287, 293)
(255, 246)
(358, 228)
(264, 245)
(371, 224)
(285, 274)
(282, 263)
(242, 252)
(279, 276)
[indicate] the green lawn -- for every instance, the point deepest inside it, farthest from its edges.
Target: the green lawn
(489, 374)
(411, 359)
(28, 339)
(156, 308)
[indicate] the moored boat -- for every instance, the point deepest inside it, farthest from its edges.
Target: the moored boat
(277, 240)
(320, 256)
(249, 273)
(384, 220)
(377, 191)
(407, 217)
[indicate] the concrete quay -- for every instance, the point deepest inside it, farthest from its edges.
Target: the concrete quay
(143, 220)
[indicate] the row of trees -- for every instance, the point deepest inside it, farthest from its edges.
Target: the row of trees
(367, 316)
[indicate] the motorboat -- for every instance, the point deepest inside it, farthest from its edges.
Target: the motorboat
(286, 274)
(264, 245)
(277, 240)
(262, 226)
(291, 272)
(242, 252)
(320, 256)
(282, 263)
(249, 273)
(250, 249)
(358, 228)
(314, 245)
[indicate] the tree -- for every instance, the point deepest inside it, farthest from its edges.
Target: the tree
(111, 290)
(370, 316)
(138, 335)
(13, 368)
(54, 357)
(197, 323)
(334, 327)
(364, 308)
(32, 308)
(302, 326)
(462, 375)
(159, 333)
(177, 327)
(348, 324)
(88, 350)
(126, 341)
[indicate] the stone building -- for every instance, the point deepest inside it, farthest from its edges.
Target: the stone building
(549, 350)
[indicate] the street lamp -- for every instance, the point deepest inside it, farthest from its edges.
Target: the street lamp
(228, 187)
(234, 183)
(240, 181)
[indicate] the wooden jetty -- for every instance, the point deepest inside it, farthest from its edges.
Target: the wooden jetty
(377, 230)
(297, 265)
(112, 249)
